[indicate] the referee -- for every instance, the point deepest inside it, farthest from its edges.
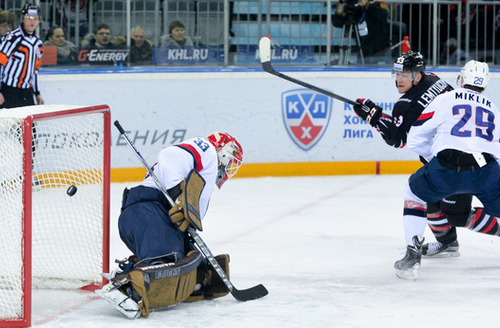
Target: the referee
(20, 58)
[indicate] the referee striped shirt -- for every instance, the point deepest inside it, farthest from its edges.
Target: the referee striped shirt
(21, 58)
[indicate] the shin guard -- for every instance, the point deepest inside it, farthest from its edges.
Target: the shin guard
(481, 222)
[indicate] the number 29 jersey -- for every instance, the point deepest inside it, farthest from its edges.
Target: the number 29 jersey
(462, 119)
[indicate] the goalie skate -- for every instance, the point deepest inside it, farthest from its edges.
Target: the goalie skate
(408, 266)
(440, 250)
(123, 303)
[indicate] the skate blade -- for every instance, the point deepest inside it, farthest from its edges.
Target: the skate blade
(409, 274)
(443, 255)
(118, 304)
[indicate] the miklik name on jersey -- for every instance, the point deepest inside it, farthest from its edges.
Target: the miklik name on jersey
(473, 97)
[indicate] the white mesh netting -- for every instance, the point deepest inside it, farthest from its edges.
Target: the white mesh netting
(67, 231)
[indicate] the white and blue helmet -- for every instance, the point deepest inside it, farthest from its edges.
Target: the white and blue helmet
(474, 73)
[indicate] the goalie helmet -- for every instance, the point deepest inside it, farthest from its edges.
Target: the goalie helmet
(229, 155)
(474, 73)
(31, 9)
(410, 61)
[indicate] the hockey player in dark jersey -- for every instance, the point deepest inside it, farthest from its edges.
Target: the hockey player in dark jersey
(419, 88)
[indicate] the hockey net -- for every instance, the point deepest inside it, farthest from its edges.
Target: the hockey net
(49, 238)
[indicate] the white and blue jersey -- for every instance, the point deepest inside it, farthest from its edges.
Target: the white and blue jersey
(462, 119)
(144, 224)
(175, 163)
(459, 134)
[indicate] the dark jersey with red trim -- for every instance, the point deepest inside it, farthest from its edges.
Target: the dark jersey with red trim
(175, 163)
(21, 58)
(394, 129)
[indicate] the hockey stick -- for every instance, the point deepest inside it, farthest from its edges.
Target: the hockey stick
(241, 295)
(265, 59)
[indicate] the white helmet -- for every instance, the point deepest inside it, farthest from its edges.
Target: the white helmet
(474, 73)
(229, 155)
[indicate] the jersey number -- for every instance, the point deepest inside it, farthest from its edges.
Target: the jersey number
(484, 121)
(203, 145)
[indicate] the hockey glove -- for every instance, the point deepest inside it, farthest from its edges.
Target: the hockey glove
(368, 111)
(186, 210)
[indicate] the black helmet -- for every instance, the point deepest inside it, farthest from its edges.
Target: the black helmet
(410, 61)
(31, 9)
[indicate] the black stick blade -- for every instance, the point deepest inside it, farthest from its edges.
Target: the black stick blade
(250, 293)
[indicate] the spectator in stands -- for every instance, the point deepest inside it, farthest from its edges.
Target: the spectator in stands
(66, 14)
(373, 25)
(177, 36)
(7, 22)
(100, 50)
(140, 47)
(451, 54)
(66, 50)
(101, 38)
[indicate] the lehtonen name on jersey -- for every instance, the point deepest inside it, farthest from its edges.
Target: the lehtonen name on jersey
(473, 97)
(435, 90)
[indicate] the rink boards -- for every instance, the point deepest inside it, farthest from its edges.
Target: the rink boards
(285, 129)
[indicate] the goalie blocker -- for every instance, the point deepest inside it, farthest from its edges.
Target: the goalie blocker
(147, 287)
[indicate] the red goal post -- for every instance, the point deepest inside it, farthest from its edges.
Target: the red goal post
(52, 237)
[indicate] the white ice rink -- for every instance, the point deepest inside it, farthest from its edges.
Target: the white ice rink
(324, 247)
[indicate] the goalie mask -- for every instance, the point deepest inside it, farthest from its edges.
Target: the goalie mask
(229, 155)
(474, 73)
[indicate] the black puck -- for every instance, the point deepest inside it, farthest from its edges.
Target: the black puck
(71, 190)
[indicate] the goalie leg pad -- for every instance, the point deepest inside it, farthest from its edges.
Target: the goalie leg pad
(212, 285)
(165, 284)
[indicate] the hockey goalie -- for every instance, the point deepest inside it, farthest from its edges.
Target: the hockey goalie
(166, 268)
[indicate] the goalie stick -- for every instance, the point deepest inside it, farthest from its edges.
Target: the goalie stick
(241, 295)
(265, 59)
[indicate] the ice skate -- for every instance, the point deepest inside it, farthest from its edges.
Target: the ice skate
(122, 302)
(439, 250)
(408, 266)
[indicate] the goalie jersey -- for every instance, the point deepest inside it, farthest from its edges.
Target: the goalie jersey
(175, 163)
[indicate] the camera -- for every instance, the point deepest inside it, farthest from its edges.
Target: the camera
(349, 3)
(349, 11)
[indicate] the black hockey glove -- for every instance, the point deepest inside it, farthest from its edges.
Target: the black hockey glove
(368, 111)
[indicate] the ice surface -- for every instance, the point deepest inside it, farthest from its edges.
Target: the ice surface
(324, 247)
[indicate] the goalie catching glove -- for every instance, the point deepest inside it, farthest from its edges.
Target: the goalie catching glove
(186, 210)
(368, 111)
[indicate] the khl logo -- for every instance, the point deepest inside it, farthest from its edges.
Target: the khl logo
(306, 115)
